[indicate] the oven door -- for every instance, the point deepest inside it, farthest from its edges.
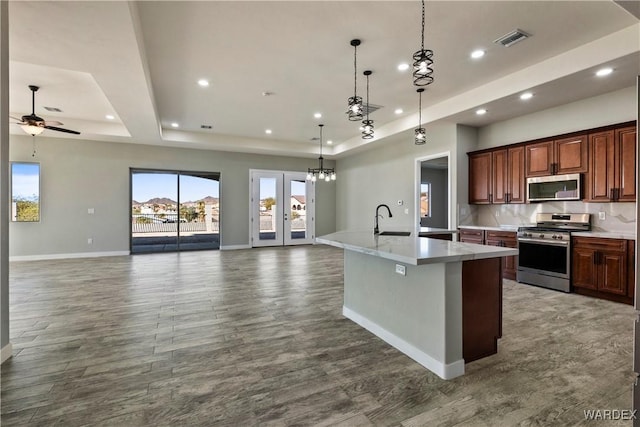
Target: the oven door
(550, 258)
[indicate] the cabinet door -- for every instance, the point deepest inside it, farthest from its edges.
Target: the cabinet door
(539, 158)
(600, 179)
(613, 274)
(499, 176)
(571, 155)
(515, 175)
(471, 236)
(626, 164)
(480, 178)
(631, 268)
(584, 272)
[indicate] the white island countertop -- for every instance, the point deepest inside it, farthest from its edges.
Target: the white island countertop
(412, 249)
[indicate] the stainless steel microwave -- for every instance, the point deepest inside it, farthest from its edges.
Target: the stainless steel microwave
(554, 187)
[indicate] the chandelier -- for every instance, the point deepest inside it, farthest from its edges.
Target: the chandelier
(367, 125)
(322, 173)
(422, 62)
(420, 133)
(354, 111)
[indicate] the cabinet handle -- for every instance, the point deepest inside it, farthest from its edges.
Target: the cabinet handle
(617, 194)
(490, 198)
(507, 197)
(612, 194)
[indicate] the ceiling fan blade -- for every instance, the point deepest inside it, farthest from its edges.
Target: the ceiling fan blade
(52, 123)
(15, 118)
(62, 130)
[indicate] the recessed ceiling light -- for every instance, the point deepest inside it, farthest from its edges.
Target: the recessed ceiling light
(403, 67)
(329, 142)
(175, 125)
(268, 131)
(604, 72)
(478, 53)
(109, 117)
(526, 95)
(317, 115)
(399, 111)
(203, 82)
(481, 111)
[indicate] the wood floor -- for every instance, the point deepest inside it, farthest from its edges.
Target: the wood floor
(256, 337)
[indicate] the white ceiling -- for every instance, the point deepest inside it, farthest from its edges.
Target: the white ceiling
(140, 63)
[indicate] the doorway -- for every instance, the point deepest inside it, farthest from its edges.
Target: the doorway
(433, 191)
(282, 208)
(174, 210)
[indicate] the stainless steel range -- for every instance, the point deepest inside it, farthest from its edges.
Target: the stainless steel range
(544, 257)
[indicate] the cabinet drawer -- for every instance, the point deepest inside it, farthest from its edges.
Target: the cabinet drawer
(501, 235)
(473, 233)
(619, 245)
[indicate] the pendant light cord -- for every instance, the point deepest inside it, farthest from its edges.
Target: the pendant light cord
(420, 110)
(355, 70)
(422, 24)
(367, 96)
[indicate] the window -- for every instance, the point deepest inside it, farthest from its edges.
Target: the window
(25, 192)
(425, 199)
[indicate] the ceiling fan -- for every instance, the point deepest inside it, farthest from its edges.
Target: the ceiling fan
(34, 125)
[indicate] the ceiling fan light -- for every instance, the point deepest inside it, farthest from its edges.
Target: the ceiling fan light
(32, 129)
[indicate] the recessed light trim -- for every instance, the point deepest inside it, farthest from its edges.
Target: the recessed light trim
(481, 111)
(317, 115)
(477, 54)
(399, 111)
(329, 142)
(526, 95)
(203, 82)
(604, 71)
(175, 125)
(268, 131)
(110, 117)
(403, 67)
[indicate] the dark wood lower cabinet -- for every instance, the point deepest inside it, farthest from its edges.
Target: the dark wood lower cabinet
(604, 268)
(505, 239)
(481, 308)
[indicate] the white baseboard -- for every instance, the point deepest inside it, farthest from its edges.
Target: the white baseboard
(5, 352)
(65, 256)
(443, 370)
(234, 247)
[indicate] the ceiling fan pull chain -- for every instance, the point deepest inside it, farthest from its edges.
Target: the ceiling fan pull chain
(33, 138)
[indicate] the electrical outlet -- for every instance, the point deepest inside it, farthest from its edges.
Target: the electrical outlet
(406, 211)
(401, 269)
(90, 241)
(91, 211)
(602, 216)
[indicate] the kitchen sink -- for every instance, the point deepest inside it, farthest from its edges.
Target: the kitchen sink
(395, 233)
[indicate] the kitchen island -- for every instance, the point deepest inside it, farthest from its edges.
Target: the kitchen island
(439, 302)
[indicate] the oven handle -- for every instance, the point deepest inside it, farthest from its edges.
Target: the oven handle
(544, 242)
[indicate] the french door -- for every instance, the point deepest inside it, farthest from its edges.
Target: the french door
(282, 208)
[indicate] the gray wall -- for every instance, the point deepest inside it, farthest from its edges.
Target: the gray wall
(387, 173)
(80, 174)
(439, 197)
(607, 109)
(4, 174)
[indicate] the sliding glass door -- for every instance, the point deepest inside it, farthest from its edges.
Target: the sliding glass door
(282, 208)
(174, 210)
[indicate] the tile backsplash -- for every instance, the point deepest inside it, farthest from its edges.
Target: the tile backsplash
(619, 217)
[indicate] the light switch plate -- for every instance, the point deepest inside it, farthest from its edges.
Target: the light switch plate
(91, 211)
(602, 216)
(401, 269)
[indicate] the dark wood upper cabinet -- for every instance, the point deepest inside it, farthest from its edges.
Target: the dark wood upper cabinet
(499, 176)
(626, 167)
(612, 166)
(515, 175)
(560, 156)
(480, 178)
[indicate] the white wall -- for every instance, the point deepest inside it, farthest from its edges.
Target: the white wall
(80, 174)
(603, 110)
(386, 174)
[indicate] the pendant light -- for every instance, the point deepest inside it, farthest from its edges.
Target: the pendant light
(420, 133)
(354, 111)
(367, 125)
(422, 62)
(322, 173)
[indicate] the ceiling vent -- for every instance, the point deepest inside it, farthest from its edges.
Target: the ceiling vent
(53, 109)
(206, 126)
(512, 38)
(370, 108)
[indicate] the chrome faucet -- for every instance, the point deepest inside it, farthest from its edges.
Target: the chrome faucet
(376, 230)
